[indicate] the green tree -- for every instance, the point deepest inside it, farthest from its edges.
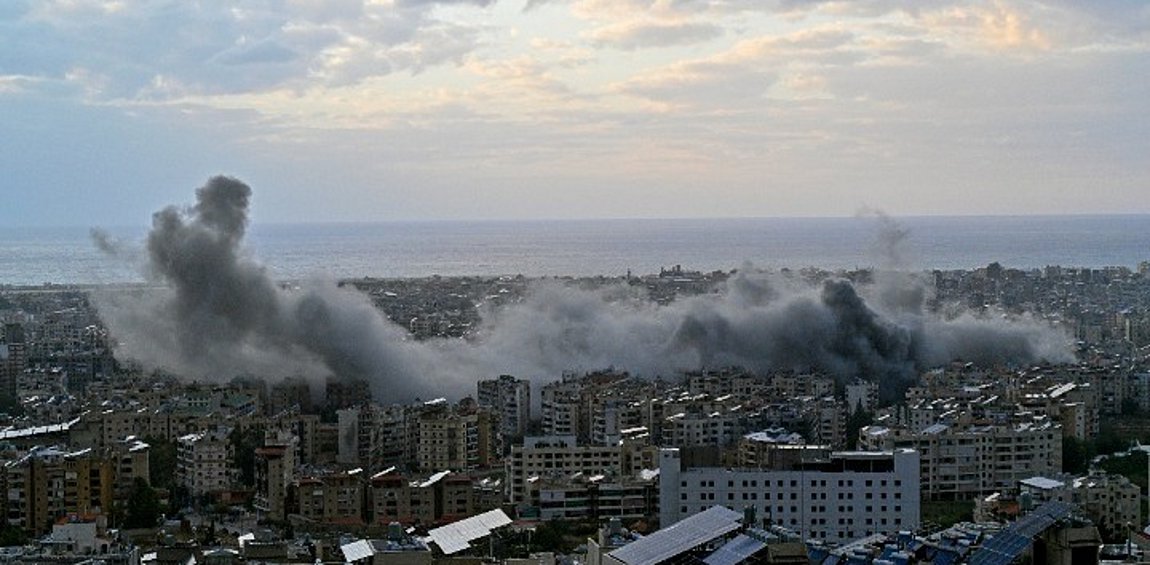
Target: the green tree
(143, 508)
(244, 445)
(11, 535)
(1076, 456)
(161, 462)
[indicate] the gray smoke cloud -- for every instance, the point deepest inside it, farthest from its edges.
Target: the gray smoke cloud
(218, 313)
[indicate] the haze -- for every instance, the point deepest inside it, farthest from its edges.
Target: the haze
(410, 109)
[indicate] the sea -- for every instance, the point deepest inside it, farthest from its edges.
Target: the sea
(68, 255)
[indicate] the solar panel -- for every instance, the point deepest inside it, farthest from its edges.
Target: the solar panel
(735, 551)
(357, 550)
(1008, 544)
(457, 536)
(680, 537)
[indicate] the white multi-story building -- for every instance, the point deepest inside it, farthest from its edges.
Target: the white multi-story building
(203, 462)
(843, 496)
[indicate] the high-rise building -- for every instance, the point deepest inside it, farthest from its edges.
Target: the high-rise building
(274, 473)
(13, 359)
(48, 484)
(511, 399)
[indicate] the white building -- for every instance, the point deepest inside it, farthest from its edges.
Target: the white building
(203, 462)
(841, 497)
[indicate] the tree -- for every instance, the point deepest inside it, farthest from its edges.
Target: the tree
(1076, 456)
(143, 506)
(161, 462)
(11, 535)
(244, 445)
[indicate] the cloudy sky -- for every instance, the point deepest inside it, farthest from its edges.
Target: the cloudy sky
(360, 110)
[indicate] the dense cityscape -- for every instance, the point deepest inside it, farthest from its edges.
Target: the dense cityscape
(108, 459)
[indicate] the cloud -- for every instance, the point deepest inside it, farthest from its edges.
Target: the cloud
(639, 35)
(246, 46)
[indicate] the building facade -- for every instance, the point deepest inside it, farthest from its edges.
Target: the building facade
(842, 496)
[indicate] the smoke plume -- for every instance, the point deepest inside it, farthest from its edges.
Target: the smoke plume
(219, 314)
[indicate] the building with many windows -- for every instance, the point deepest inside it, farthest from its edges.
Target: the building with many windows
(510, 398)
(821, 494)
(203, 462)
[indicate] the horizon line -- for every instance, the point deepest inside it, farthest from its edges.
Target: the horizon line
(876, 213)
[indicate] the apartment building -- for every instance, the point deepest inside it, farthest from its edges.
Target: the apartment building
(203, 462)
(334, 498)
(463, 437)
(49, 483)
(435, 499)
(963, 462)
(274, 473)
(597, 497)
(559, 456)
(510, 398)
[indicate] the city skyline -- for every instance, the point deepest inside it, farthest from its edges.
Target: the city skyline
(476, 110)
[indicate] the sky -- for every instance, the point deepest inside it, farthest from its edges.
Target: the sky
(384, 110)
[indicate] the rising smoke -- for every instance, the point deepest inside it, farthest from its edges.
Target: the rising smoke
(220, 314)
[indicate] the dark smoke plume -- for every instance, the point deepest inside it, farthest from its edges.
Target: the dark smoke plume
(220, 314)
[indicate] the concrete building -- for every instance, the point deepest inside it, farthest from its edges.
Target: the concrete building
(561, 456)
(439, 498)
(965, 462)
(334, 498)
(131, 461)
(861, 394)
(377, 437)
(274, 473)
(48, 484)
(203, 462)
(457, 438)
(694, 429)
(13, 359)
(510, 398)
(837, 496)
(560, 409)
(597, 497)
(1111, 501)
